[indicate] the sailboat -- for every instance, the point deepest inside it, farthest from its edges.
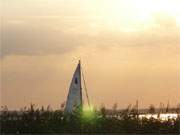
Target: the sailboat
(74, 98)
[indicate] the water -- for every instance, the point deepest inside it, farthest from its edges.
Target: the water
(161, 116)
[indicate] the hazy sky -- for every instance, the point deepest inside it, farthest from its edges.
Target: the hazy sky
(130, 49)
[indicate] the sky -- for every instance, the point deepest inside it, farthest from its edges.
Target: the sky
(130, 49)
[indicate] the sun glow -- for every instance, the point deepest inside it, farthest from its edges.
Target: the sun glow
(132, 14)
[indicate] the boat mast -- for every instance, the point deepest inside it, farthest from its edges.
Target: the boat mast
(85, 88)
(80, 81)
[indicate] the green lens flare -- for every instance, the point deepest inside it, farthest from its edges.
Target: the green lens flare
(88, 113)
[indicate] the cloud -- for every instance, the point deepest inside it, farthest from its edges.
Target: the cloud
(25, 39)
(62, 33)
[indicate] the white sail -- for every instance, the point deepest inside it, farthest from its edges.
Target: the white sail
(74, 98)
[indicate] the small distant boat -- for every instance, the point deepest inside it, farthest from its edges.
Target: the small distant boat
(74, 98)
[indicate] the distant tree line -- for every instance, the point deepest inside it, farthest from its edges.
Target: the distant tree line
(41, 120)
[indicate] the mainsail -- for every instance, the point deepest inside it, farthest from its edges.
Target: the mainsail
(74, 98)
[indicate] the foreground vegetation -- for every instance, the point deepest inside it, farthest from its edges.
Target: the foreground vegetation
(42, 120)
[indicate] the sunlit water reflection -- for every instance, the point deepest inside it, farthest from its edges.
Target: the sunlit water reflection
(160, 116)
